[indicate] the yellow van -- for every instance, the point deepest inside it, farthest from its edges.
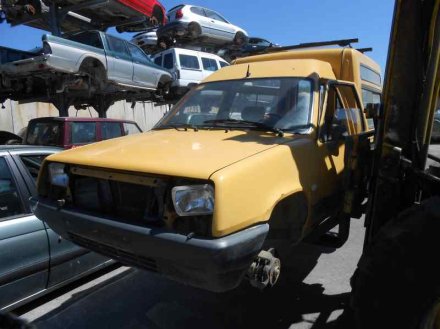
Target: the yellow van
(248, 163)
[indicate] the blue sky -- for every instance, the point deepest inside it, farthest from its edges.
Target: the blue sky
(285, 22)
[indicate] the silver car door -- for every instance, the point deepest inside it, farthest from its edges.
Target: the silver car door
(198, 15)
(120, 65)
(144, 73)
(24, 252)
(67, 260)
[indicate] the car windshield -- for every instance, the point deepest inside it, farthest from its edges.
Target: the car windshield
(281, 104)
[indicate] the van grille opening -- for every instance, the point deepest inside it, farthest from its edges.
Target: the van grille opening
(131, 203)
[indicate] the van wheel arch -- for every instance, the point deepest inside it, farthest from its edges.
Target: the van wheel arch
(287, 222)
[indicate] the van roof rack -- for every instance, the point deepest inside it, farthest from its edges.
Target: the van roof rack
(341, 43)
(364, 50)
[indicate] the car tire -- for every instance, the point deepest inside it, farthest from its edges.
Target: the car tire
(157, 17)
(194, 30)
(96, 72)
(397, 284)
(239, 39)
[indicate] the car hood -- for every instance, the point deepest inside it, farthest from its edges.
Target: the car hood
(191, 154)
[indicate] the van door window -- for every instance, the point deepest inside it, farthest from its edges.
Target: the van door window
(209, 64)
(189, 62)
(168, 61)
(343, 114)
(10, 202)
(110, 130)
(223, 64)
(158, 61)
(83, 132)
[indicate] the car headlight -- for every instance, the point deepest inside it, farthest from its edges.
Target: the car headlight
(58, 175)
(193, 200)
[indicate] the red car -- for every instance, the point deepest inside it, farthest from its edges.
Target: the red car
(69, 132)
(126, 15)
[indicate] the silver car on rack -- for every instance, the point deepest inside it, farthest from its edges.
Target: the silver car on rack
(194, 23)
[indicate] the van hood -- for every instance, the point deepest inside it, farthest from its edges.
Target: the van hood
(191, 154)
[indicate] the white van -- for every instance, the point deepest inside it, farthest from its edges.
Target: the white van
(189, 67)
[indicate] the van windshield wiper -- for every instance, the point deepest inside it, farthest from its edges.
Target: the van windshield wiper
(246, 123)
(178, 127)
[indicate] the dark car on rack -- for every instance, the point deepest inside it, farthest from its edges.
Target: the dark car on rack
(34, 260)
(69, 132)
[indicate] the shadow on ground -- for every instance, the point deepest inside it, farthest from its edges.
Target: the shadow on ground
(138, 299)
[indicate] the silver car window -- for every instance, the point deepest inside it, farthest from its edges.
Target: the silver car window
(138, 55)
(118, 47)
(10, 202)
(214, 15)
(198, 11)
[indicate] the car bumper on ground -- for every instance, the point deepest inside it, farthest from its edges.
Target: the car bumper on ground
(212, 264)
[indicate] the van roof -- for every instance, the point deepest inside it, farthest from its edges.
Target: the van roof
(311, 68)
(332, 56)
(184, 50)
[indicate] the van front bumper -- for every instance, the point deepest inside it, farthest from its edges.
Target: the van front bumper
(213, 264)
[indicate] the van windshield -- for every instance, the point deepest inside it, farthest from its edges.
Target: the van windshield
(282, 104)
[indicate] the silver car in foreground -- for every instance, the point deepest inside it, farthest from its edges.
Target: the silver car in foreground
(34, 260)
(194, 23)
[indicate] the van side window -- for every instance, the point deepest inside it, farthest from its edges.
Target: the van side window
(10, 203)
(370, 97)
(158, 61)
(343, 114)
(368, 74)
(209, 64)
(335, 120)
(83, 132)
(189, 62)
(223, 64)
(168, 61)
(110, 130)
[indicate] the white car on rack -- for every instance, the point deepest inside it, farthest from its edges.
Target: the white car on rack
(189, 67)
(194, 23)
